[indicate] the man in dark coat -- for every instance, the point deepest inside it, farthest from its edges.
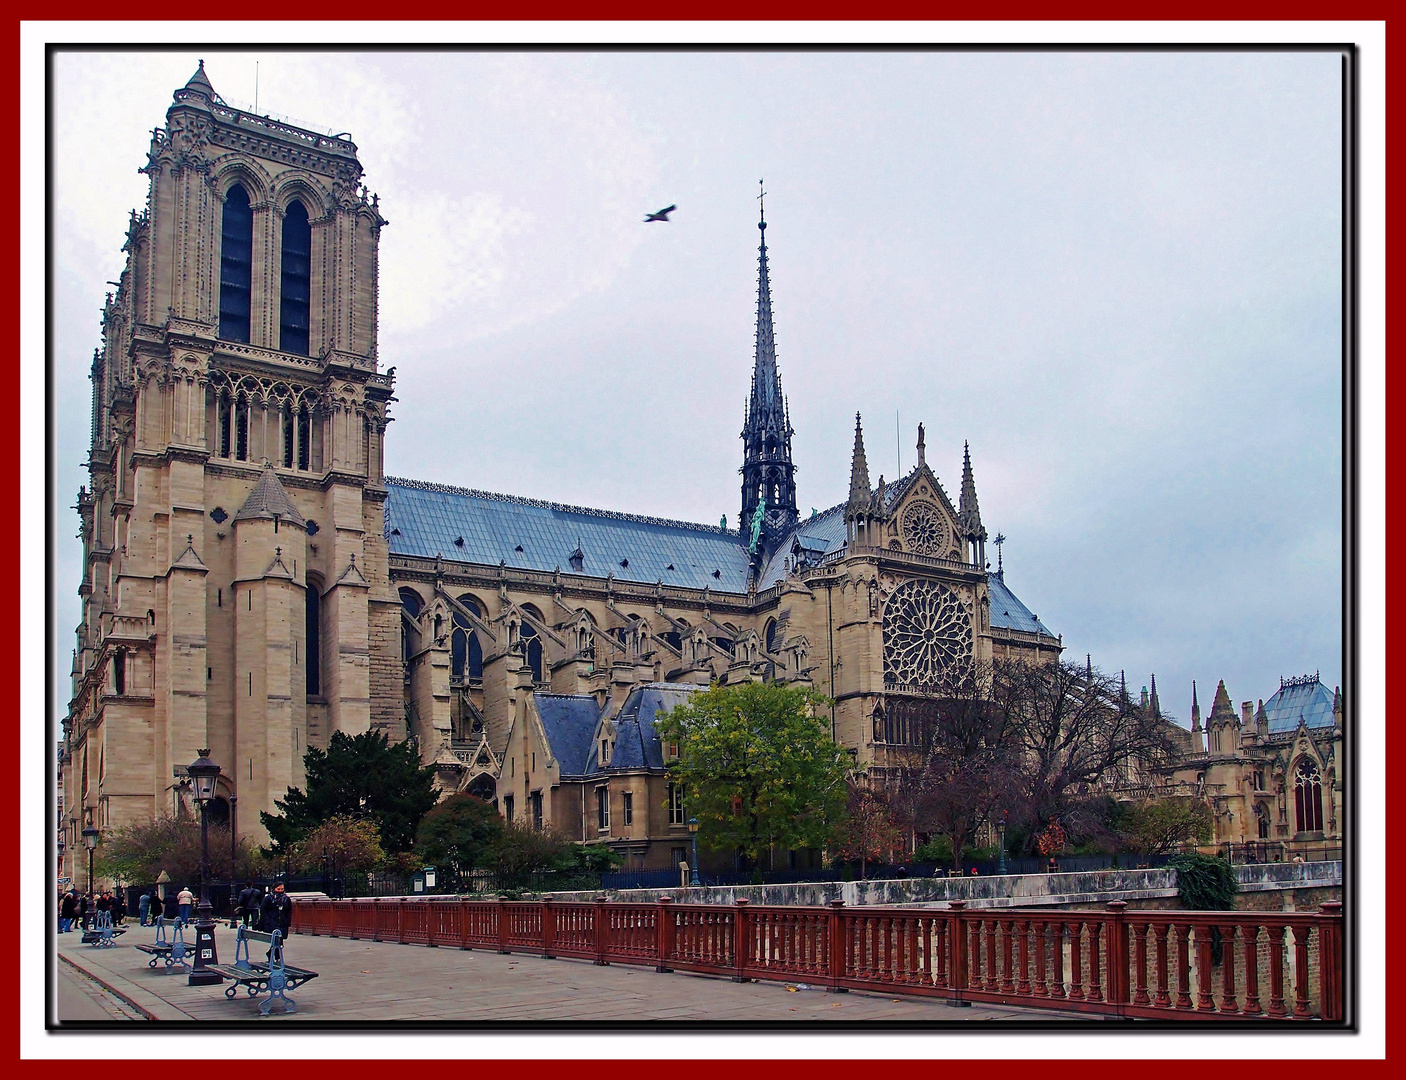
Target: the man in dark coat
(276, 912)
(83, 911)
(68, 911)
(250, 900)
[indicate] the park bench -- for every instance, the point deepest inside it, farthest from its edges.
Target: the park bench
(101, 932)
(272, 977)
(171, 949)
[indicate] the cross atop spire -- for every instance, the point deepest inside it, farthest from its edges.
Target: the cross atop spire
(998, 540)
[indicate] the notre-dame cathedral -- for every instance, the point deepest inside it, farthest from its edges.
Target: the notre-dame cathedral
(253, 582)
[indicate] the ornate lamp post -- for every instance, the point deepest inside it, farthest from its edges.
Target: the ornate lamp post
(693, 865)
(203, 774)
(1001, 843)
(90, 841)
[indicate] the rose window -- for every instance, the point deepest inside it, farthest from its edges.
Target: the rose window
(923, 529)
(927, 630)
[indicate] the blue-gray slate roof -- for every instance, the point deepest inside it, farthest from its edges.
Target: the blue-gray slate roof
(426, 520)
(637, 744)
(1007, 611)
(570, 722)
(1299, 698)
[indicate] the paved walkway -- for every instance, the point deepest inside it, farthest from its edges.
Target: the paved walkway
(380, 981)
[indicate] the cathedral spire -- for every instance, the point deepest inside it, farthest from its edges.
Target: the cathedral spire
(858, 472)
(968, 512)
(768, 475)
(1198, 742)
(1156, 705)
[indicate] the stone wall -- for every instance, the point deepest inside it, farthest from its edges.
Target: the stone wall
(1263, 887)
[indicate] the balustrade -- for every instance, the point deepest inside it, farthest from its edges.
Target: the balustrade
(1153, 964)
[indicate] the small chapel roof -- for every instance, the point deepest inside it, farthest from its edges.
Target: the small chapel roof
(637, 743)
(428, 520)
(267, 499)
(569, 721)
(1304, 696)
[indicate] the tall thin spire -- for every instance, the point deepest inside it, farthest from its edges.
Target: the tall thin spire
(858, 470)
(1195, 709)
(1156, 705)
(768, 474)
(969, 513)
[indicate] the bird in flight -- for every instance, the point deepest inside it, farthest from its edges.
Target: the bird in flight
(660, 215)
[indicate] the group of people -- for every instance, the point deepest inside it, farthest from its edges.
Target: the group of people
(255, 908)
(76, 908)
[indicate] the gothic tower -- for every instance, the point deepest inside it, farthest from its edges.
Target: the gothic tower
(768, 475)
(235, 591)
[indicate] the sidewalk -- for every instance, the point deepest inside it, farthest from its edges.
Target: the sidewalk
(380, 982)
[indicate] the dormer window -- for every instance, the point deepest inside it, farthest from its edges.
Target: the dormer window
(605, 748)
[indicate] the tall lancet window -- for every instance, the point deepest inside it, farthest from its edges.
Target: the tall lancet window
(296, 287)
(236, 261)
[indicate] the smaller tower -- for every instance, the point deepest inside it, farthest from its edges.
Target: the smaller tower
(1223, 725)
(968, 512)
(1154, 703)
(859, 508)
(1198, 744)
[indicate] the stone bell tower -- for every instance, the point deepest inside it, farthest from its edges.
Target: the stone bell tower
(235, 589)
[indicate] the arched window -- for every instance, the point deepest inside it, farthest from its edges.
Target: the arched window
(236, 264)
(241, 427)
(313, 624)
(296, 284)
(531, 643)
(1308, 797)
(411, 603)
(773, 642)
(119, 672)
(466, 651)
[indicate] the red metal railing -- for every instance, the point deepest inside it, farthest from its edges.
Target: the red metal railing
(1155, 964)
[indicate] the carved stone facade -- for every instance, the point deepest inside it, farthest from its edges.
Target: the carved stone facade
(235, 592)
(253, 583)
(1273, 775)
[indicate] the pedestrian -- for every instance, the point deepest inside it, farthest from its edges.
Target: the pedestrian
(68, 911)
(157, 907)
(144, 907)
(276, 912)
(169, 907)
(249, 900)
(83, 911)
(103, 904)
(184, 899)
(119, 906)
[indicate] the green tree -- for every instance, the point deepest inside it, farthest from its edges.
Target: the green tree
(759, 768)
(353, 844)
(460, 833)
(357, 776)
(1158, 825)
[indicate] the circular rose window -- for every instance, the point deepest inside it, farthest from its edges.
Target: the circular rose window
(927, 630)
(924, 530)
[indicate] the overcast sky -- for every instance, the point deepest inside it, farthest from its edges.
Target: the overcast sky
(1116, 274)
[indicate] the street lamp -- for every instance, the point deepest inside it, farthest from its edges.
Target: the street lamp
(90, 841)
(203, 773)
(693, 866)
(1001, 852)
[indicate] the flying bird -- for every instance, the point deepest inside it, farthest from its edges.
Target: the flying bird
(660, 215)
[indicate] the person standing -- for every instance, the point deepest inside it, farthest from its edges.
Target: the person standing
(68, 911)
(119, 906)
(144, 906)
(250, 900)
(276, 912)
(83, 911)
(184, 900)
